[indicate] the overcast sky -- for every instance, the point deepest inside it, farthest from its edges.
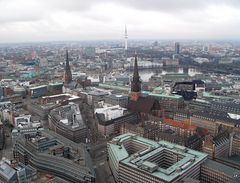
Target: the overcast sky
(54, 20)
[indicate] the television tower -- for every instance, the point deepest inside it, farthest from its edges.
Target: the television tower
(126, 37)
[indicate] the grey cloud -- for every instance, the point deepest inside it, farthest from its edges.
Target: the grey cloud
(38, 19)
(176, 5)
(161, 5)
(73, 5)
(12, 11)
(29, 17)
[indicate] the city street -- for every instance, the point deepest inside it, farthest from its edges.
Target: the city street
(103, 173)
(7, 151)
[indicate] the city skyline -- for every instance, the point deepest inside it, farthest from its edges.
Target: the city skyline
(102, 112)
(32, 20)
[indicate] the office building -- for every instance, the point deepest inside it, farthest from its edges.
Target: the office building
(22, 120)
(234, 148)
(136, 159)
(115, 99)
(90, 52)
(214, 120)
(16, 172)
(20, 90)
(214, 172)
(60, 98)
(38, 91)
(177, 48)
(25, 132)
(67, 121)
(226, 106)
(167, 101)
(42, 107)
(217, 146)
(172, 131)
(1, 92)
(111, 118)
(2, 135)
(55, 155)
(55, 88)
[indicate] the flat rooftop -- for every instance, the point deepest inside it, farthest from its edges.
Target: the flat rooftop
(37, 87)
(143, 158)
(6, 170)
(162, 95)
(70, 96)
(69, 115)
(227, 170)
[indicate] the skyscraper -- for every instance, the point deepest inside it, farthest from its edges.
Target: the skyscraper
(67, 73)
(177, 47)
(126, 37)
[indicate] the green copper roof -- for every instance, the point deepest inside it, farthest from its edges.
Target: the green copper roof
(209, 95)
(37, 87)
(140, 160)
(115, 87)
(166, 96)
(127, 88)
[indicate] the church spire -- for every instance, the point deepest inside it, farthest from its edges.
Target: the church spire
(67, 60)
(135, 73)
(67, 72)
(136, 83)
